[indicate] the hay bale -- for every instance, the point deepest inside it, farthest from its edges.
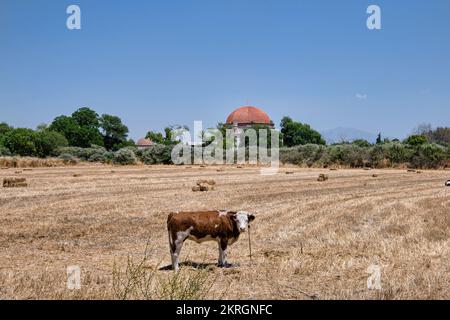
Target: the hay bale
(204, 185)
(203, 181)
(322, 177)
(14, 182)
(447, 183)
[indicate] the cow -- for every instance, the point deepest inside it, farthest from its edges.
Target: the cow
(447, 183)
(221, 226)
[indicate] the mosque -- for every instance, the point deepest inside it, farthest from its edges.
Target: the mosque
(240, 119)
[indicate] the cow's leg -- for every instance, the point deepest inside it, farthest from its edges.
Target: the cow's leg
(176, 256)
(223, 243)
(172, 247)
(178, 244)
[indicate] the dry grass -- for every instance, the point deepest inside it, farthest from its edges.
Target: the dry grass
(30, 162)
(14, 182)
(308, 237)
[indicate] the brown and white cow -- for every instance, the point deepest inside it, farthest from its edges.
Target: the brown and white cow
(221, 226)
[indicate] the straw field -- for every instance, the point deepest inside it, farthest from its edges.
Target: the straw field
(310, 238)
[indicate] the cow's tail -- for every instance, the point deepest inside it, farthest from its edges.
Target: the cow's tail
(169, 231)
(169, 217)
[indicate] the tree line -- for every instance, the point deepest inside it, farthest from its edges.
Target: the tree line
(89, 136)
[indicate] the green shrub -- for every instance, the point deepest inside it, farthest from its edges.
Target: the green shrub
(124, 156)
(362, 143)
(48, 142)
(157, 154)
(397, 153)
(376, 156)
(87, 153)
(345, 154)
(4, 152)
(74, 151)
(416, 140)
(308, 154)
(431, 156)
(68, 158)
(21, 142)
(98, 157)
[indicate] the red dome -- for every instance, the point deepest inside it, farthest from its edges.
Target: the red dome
(248, 115)
(144, 142)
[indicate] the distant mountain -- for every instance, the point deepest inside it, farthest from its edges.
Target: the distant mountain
(347, 134)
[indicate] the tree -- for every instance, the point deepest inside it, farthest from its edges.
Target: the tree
(296, 133)
(47, 142)
(174, 131)
(78, 135)
(362, 143)
(86, 117)
(379, 141)
(4, 128)
(174, 134)
(440, 135)
(21, 141)
(114, 131)
(416, 140)
(156, 137)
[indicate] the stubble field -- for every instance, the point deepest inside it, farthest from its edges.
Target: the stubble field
(309, 238)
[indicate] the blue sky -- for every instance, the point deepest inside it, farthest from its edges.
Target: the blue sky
(155, 63)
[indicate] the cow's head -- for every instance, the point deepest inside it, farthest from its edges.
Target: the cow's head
(243, 219)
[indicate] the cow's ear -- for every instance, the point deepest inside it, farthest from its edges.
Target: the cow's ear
(251, 217)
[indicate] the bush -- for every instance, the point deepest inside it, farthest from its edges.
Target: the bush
(124, 156)
(397, 153)
(431, 156)
(157, 154)
(362, 143)
(346, 154)
(309, 154)
(21, 142)
(48, 142)
(4, 152)
(416, 140)
(68, 158)
(98, 157)
(73, 151)
(87, 153)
